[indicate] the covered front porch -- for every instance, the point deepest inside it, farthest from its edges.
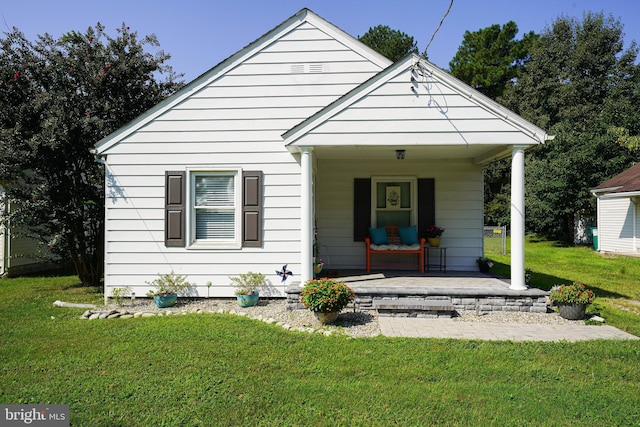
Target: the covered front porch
(412, 293)
(416, 131)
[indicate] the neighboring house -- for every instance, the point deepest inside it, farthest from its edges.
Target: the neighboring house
(291, 144)
(618, 212)
(17, 253)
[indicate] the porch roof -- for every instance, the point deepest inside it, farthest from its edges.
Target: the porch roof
(415, 106)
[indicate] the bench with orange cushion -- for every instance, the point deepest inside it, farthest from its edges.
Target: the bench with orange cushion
(393, 243)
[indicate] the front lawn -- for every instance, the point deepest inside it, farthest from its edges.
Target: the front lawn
(614, 279)
(210, 370)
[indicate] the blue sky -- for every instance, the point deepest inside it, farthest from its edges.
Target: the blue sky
(200, 33)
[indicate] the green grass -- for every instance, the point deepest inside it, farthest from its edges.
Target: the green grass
(614, 279)
(209, 370)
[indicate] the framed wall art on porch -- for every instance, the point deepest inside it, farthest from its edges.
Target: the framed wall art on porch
(394, 197)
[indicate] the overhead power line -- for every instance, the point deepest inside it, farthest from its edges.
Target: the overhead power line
(438, 28)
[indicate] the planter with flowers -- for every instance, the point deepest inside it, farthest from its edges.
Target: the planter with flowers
(434, 235)
(326, 298)
(571, 300)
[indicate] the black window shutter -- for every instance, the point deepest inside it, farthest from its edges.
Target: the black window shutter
(426, 204)
(252, 208)
(174, 208)
(361, 208)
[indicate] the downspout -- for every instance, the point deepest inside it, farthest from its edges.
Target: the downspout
(634, 202)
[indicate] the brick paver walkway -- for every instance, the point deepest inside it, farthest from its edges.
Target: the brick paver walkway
(447, 328)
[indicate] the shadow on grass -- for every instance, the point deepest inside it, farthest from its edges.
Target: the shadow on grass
(554, 243)
(547, 281)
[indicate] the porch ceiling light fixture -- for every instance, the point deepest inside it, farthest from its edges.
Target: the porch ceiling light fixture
(400, 154)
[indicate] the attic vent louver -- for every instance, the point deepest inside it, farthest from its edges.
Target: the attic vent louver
(315, 67)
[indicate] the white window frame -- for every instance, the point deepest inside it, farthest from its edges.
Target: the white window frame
(236, 241)
(413, 182)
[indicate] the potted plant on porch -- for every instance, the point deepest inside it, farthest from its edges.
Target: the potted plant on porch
(571, 300)
(326, 298)
(484, 264)
(434, 235)
(248, 287)
(167, 287)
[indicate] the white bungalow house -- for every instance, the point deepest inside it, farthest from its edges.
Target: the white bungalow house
(618, 214)
(289, 144)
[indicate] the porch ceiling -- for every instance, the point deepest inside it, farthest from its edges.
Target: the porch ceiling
(480, 154)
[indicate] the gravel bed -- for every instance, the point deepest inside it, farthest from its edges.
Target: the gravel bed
(354, 324)
(514, 317)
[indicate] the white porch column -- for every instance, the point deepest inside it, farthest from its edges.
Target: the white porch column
(306, 227)
(517, 218)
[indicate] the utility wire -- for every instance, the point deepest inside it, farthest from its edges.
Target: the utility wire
(437, 29)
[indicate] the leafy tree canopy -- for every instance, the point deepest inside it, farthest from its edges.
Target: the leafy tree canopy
(490, 58)
(582, 86)
(393, 44)
(59, 97)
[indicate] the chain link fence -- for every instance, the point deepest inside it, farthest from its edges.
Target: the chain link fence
(495, 239)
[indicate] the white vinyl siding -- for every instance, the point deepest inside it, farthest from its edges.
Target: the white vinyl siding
(429, 114)
(617, 218)
(233, 122)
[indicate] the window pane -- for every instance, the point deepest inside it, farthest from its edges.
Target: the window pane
(391, 217)
(214, 190)
(214, 225)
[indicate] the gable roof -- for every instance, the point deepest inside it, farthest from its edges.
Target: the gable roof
(414, 102)
(626, 183)
(303, 16)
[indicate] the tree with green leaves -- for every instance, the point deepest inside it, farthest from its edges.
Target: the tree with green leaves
(393, 44)
(489, 60)
(59, 97)
(580, 85)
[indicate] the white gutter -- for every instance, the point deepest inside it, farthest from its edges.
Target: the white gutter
(618, 195)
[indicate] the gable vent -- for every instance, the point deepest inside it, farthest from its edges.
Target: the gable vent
(315, 67)
(297, 68)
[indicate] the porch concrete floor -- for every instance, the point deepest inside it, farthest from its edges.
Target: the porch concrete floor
(440, 283)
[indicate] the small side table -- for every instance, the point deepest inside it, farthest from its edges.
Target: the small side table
(442, 258)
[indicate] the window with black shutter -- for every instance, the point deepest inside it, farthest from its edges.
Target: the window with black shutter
(225, 210)
(174, 210)
(364, 198)
(252, 208)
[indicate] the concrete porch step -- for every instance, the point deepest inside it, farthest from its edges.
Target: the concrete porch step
(407, 307)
